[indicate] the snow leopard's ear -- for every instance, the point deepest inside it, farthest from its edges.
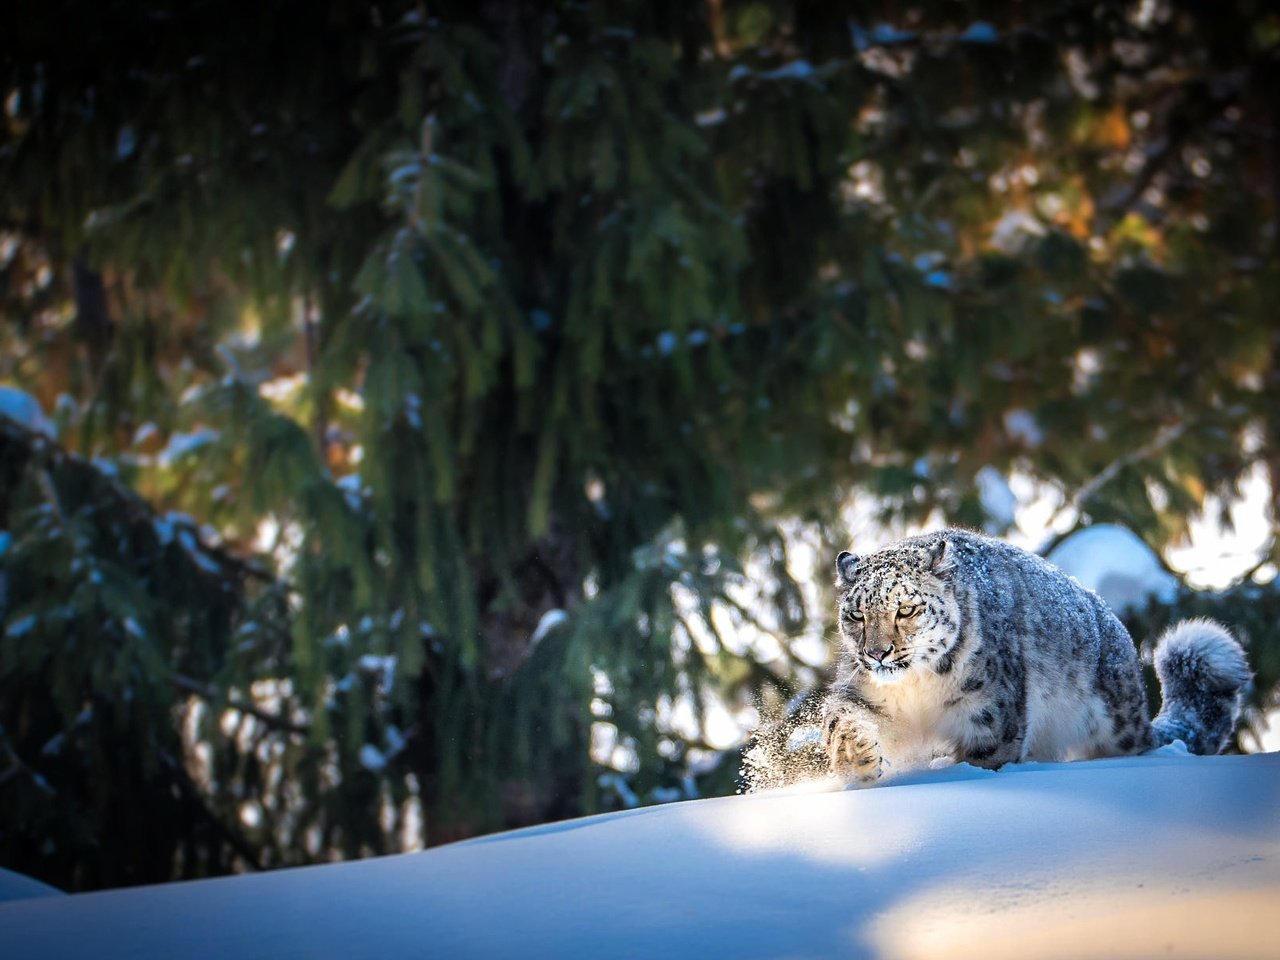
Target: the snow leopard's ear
(846, 564)
(942, 557)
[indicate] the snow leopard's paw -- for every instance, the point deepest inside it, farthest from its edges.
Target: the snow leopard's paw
(852, 746)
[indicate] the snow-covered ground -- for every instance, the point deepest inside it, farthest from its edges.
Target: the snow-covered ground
(14, 886)
(1166, 855)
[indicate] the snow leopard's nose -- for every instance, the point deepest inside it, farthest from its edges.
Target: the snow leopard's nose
(878, 653)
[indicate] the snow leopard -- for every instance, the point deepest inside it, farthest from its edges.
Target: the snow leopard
(955, 645)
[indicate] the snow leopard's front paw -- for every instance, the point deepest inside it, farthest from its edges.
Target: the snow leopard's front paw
(852, 745)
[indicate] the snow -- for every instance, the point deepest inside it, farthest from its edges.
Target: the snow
(546, 623)
(801, 70)
(176, 521)
(412, 410)
(1022, 425)
(795, 70)
(885, 33)
(1163, 855)
(1014, 231)
(395, 741)
(1114, 562)
(14, 886)
(24, 409)
(803, 737)
(183, 445)
(371, 758)
(384, 667)
(126, 142)
(352, 490)
(980, 32)
(20, 628)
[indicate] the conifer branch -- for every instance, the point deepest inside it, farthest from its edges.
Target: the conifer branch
(45, 454)
(191, 793)
(1163, 438)
(213, 695)
(1268, 555)
(17, 765)
(319, 397)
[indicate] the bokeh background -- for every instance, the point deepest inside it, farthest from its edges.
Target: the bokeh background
(423, 419)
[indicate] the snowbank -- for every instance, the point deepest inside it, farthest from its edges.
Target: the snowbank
(14, 886)
(1117, 564)
(1165, 855)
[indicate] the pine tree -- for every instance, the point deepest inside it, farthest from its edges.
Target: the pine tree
(433, 386)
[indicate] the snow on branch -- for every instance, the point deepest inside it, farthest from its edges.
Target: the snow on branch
(36, 450)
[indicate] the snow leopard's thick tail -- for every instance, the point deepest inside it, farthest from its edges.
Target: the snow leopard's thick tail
(1203, 678)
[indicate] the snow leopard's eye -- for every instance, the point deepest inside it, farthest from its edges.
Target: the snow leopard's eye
(855, 616)
(908, 611)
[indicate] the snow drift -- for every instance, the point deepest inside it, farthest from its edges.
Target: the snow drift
(1114, 562)
(1161, 855)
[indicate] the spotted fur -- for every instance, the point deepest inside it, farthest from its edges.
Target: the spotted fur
(956, 645)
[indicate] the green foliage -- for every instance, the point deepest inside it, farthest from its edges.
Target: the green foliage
(447, 321)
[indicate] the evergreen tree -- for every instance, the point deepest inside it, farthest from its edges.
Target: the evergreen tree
(432, 382)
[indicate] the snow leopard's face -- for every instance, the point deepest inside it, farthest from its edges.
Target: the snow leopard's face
(898, 611)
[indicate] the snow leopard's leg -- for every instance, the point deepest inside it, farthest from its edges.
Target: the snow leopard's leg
(851, 740)
(999, 729)
(992, 754)
(1119, 682)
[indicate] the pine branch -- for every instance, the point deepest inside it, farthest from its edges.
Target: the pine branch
(1115, 210)
(17, 765)
(1163, 438)
(1051, 26)
(43, 453)
(210, 693)
(191, 793)
(1267, 556)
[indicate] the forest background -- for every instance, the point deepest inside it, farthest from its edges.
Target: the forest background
(414, 413)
